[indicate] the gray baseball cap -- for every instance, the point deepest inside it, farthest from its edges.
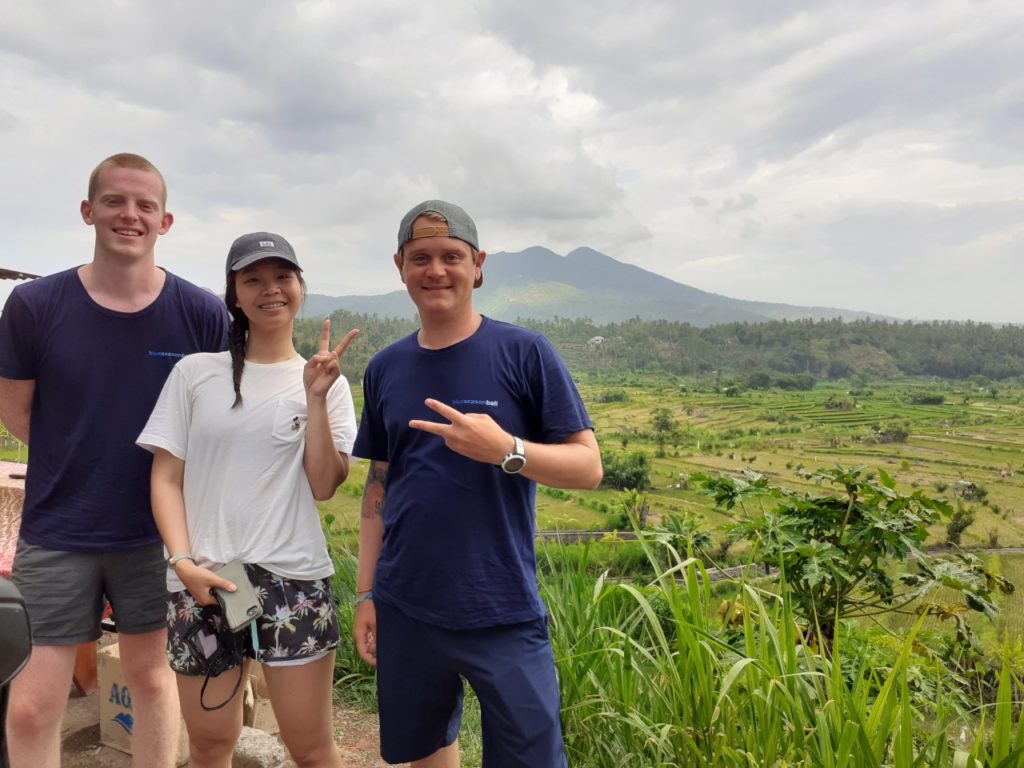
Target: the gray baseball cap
(460, 225)
(256, 246)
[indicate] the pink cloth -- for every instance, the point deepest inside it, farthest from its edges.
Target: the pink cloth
(12, 494)
(7, 545)
(9, 525)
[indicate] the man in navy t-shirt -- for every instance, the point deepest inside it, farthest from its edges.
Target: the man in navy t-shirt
(83, 357)
(461, 420)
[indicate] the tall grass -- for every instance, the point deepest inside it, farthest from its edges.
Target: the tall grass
(651, 678)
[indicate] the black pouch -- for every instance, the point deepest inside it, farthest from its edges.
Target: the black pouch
(215, 649)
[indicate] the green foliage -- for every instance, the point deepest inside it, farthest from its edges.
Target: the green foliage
(800, 381)
(662, 421)
(612, 555)
(835, 550)
(611, 396)
(686, 534)
(959, 521)
(891, 433)
(11, 448)
(624, 470)
(636, 506)
(785, 354)
(835, 403)
(650, 678)
(926, 398)
(760, 380)
(617, 520)
(375, 333)
(353, 677)
(664, 428)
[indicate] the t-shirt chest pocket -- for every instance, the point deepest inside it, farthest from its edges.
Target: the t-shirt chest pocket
(289, 421)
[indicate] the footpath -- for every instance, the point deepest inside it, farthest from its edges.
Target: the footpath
(355, 734)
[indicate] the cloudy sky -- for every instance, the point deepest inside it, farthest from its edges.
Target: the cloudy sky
(867, 155)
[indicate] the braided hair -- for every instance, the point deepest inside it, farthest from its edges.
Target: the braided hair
(238, 336)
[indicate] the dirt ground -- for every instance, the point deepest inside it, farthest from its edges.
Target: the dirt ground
(355, 734)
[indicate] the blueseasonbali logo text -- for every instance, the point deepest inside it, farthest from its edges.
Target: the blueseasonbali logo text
(488, 403)
(165, 354)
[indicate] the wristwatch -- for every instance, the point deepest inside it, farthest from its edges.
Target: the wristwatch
(514, 462)
(173, 560)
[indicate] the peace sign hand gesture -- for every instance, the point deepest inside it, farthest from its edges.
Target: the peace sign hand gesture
(474, 435)
(324, 368)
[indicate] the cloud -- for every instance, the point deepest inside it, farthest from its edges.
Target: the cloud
(736, 204)
(852, 153)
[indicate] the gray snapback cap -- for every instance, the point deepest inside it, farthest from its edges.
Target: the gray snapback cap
(460, 225)
(248, 249)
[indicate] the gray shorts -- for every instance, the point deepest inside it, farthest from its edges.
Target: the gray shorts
(65, 592)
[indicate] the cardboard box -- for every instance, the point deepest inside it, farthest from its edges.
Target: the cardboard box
(117, 719)
(258, 713)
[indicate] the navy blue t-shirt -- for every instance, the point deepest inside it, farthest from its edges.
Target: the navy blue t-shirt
(97, 375)
(458, 533)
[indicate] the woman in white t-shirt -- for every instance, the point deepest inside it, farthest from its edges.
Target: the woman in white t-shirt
(244, 443)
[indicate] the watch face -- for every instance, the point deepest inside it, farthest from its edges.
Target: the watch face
(513, 464)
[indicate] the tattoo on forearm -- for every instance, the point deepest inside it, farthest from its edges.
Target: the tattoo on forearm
(373, 491)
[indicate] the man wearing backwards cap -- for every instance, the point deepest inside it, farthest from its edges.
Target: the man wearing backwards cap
(461, 420)
(83, 356)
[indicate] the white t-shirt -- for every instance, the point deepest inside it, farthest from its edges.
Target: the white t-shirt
(246, 493)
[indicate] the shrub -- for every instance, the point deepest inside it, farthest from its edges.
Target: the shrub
(834, 549)
(626, 470)
(891, 433)
(612, 396)
(958, 523)
(927, 398)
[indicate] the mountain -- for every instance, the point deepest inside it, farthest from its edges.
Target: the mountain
(538, 283)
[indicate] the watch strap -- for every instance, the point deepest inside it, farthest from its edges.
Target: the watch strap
(515, 460)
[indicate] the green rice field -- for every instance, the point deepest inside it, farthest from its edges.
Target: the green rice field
(970, 445)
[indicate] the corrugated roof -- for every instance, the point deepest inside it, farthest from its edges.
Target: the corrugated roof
(14, 274)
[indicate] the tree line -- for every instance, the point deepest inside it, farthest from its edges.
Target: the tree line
(822, 349)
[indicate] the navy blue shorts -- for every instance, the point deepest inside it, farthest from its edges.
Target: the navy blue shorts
(420, 668)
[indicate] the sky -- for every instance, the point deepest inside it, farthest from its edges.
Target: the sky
(863, 155)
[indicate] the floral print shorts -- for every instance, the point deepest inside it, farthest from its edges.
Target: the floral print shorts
(299, 621)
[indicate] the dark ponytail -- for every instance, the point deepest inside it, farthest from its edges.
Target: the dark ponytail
(237, 337)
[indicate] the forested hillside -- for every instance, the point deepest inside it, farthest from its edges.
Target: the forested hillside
(790, 353)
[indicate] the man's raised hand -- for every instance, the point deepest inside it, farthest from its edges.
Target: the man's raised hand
(474, 435)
